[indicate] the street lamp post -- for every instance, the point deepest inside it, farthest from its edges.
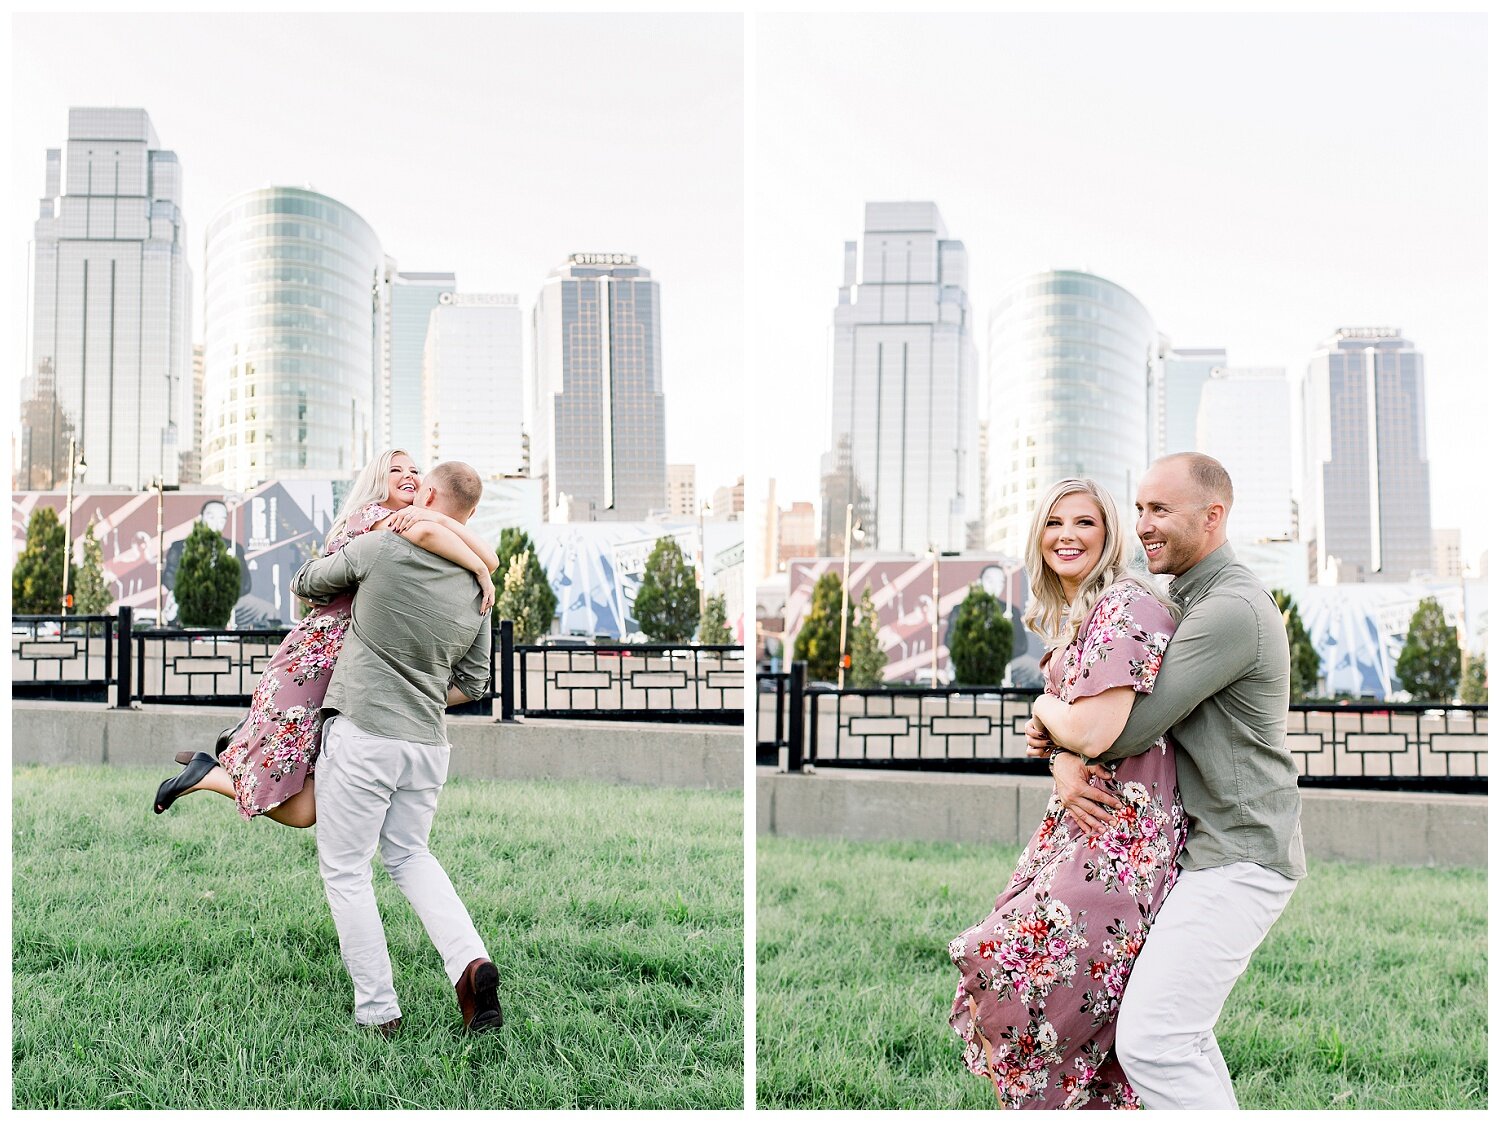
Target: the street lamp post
(157, 485)
(76, 467)
(935, 556)
(852, 531)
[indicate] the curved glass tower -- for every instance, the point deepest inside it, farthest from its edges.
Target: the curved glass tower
(292, 312)
(1069, 361)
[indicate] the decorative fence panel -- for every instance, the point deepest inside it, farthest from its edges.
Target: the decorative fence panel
(62, 658)
(632, 681)
(83, 658)
(966, 729)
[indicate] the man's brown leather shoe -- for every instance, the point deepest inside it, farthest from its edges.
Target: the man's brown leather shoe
(477, 998)
(388, 1029)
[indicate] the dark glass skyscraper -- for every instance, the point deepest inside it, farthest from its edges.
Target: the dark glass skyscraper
(1366, 486)
(598, 416)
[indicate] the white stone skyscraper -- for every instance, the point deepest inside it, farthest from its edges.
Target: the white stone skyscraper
(904, 440)
(111, 304)
(1366, 491)
(1070, 359)
(471, 384)
(1176, 386)
(413, 296)
(295, 294)
(1245, 422)
(598, 415)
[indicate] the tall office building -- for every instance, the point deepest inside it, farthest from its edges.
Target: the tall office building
(682, 490)
(1070, 357)
(796, 534)
(1245, 422)
(1447, 554)
(413, 296)
(904, 445)
(191, 457)
(1175, 388)
(471, 384)
(598, 431)
(293, 308)
(1366, 493)
(111, 304)
(728, 503)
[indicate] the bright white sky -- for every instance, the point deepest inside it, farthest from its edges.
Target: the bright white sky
(1257, 181)
(491, 146)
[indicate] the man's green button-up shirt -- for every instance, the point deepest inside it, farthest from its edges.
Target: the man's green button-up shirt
(1222, 694)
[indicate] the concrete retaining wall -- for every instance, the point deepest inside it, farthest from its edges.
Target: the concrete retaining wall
(1393, 828)
(53, 732)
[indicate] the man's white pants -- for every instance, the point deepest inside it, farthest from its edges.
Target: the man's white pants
(1197, 949)
(374, 789)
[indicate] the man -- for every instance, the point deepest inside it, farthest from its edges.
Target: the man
(418, 642)
(1222, 693)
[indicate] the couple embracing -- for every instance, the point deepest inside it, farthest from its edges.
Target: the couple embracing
(1172, 840)
(356, 693)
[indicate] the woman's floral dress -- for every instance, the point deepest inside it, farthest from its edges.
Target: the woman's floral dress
(272, 753)
(1046, 969)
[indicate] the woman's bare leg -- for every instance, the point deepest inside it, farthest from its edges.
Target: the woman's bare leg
(217, 781)
(299, 811)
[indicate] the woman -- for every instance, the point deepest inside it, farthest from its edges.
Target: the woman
(1042, 975)
(266, 763)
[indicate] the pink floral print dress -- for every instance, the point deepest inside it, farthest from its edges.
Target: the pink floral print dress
(1042, 975)
(273, 752)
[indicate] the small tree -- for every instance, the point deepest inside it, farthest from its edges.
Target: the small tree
(817, 641)
(208, 579)
(1305, 660)
(981, 641)
(520, 600)
(1475, 688)
(666, 605)
(37, 580)
(92, 596)
(1429, 663)
(866, 658)
(713, 628)
(535, 590)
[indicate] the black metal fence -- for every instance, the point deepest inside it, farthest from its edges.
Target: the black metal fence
(62, 658)
(771, 720)
(966, 729)
(83, 658)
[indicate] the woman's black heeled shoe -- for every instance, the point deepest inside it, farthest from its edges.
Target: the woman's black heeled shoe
(226, 736)
(219, 745)
(199, 766)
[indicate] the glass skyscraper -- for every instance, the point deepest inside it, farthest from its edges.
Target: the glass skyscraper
(598, 416)
(413, 296)
(294, 300)
(1070, 359)
(1245, 422)
(1366, 491)
(471, 384)
(904, 445)
(1176, 387)
(111, 302)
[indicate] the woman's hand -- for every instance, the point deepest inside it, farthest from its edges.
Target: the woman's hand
(1086, 803)
(409, 516)
(486, 588)
(1038, 739)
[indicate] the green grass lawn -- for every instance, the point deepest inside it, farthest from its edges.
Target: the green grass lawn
(1369, 991)
(189, 961)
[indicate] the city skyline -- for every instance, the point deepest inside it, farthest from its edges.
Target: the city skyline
(1215, 199)
(461, 180)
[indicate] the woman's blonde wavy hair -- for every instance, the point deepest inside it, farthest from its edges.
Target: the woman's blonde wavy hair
(1049, 612)
(371, 485)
